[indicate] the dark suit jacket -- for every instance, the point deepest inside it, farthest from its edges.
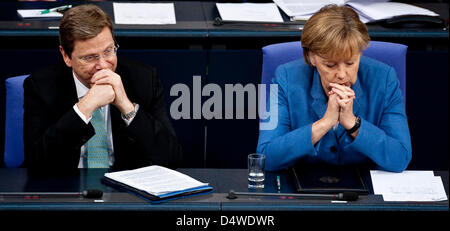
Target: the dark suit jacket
(54, 133)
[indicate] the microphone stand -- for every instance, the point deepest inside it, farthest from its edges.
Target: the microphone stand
(347, 196)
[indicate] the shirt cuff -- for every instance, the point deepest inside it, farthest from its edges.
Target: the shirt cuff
(81, 115)
(128, 122)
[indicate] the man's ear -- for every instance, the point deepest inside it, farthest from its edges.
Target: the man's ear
(66, 57)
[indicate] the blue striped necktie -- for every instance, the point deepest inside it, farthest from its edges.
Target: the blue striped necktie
(98, 144)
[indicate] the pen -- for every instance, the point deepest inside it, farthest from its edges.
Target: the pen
(59, 9)
(278, 183)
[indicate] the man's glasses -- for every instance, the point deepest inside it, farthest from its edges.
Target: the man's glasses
(108, 53)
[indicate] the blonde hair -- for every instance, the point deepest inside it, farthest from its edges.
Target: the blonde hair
(334, 32)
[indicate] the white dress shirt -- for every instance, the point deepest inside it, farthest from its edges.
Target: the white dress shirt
(81, 91)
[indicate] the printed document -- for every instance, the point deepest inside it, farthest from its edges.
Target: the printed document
(144, 13)
(383, 10)
(408, 186)
(156, 180)
(368, 10)
(304, 7)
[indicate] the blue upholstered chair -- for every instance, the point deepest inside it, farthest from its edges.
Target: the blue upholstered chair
(14, 153)
(393, 54)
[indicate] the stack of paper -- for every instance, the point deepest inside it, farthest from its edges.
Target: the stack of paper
(156, 182)
(408, 186)
(368, 10)
(373, 11)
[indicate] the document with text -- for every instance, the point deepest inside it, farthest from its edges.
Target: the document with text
(157, 181)
(368, 10)
(408, 186)
(144, 13)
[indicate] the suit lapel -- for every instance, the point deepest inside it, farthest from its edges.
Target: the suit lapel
(117, 123)
(125, 82)
(64, 89)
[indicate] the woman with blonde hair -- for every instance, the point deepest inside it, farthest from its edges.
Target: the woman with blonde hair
(336, 106)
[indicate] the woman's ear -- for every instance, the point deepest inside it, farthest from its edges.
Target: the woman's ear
(312, 58)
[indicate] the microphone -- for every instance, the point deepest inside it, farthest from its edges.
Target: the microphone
(92, 193)
(218, 21)
(345, 196)
(89, 193)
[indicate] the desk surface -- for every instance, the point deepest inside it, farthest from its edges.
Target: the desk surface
(223, 180)
(195, 20)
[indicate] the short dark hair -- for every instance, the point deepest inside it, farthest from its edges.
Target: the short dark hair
(81, 23)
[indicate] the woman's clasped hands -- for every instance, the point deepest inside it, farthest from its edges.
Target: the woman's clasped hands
(340, 105)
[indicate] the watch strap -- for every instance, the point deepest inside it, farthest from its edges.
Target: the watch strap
(355, 127)
(130, 114)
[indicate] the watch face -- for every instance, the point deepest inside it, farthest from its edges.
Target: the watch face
(131, 114)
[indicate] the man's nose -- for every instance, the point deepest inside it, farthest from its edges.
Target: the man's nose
(101, 63)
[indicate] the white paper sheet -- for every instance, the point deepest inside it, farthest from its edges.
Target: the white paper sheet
(249, 12)
(368, 10)
(36, 13)
(156, 180)
(144, 13)
(408, 186)
(384, 10)
(304, 7)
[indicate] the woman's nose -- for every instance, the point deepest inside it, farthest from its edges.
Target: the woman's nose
(340, 74)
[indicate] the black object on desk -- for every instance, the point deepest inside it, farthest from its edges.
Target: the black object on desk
(414, 21)
(319, 178)
(346, 196)
(89, 193)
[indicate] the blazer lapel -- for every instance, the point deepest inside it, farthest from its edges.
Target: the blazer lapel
(319, 103)
(358, 96)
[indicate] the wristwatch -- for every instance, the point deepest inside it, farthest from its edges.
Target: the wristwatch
(130, 114)
(355, 127)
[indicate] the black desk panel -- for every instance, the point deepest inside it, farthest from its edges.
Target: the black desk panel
(222, 180)
(118, 208)
(293, 31)
(189, 16)
(196, 19)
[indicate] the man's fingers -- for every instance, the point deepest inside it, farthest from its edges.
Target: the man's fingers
(104, 73)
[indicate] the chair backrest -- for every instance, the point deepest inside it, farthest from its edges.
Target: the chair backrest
(392, 54)
(14, 154)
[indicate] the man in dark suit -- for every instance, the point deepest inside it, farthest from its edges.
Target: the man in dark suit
(93, 111)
